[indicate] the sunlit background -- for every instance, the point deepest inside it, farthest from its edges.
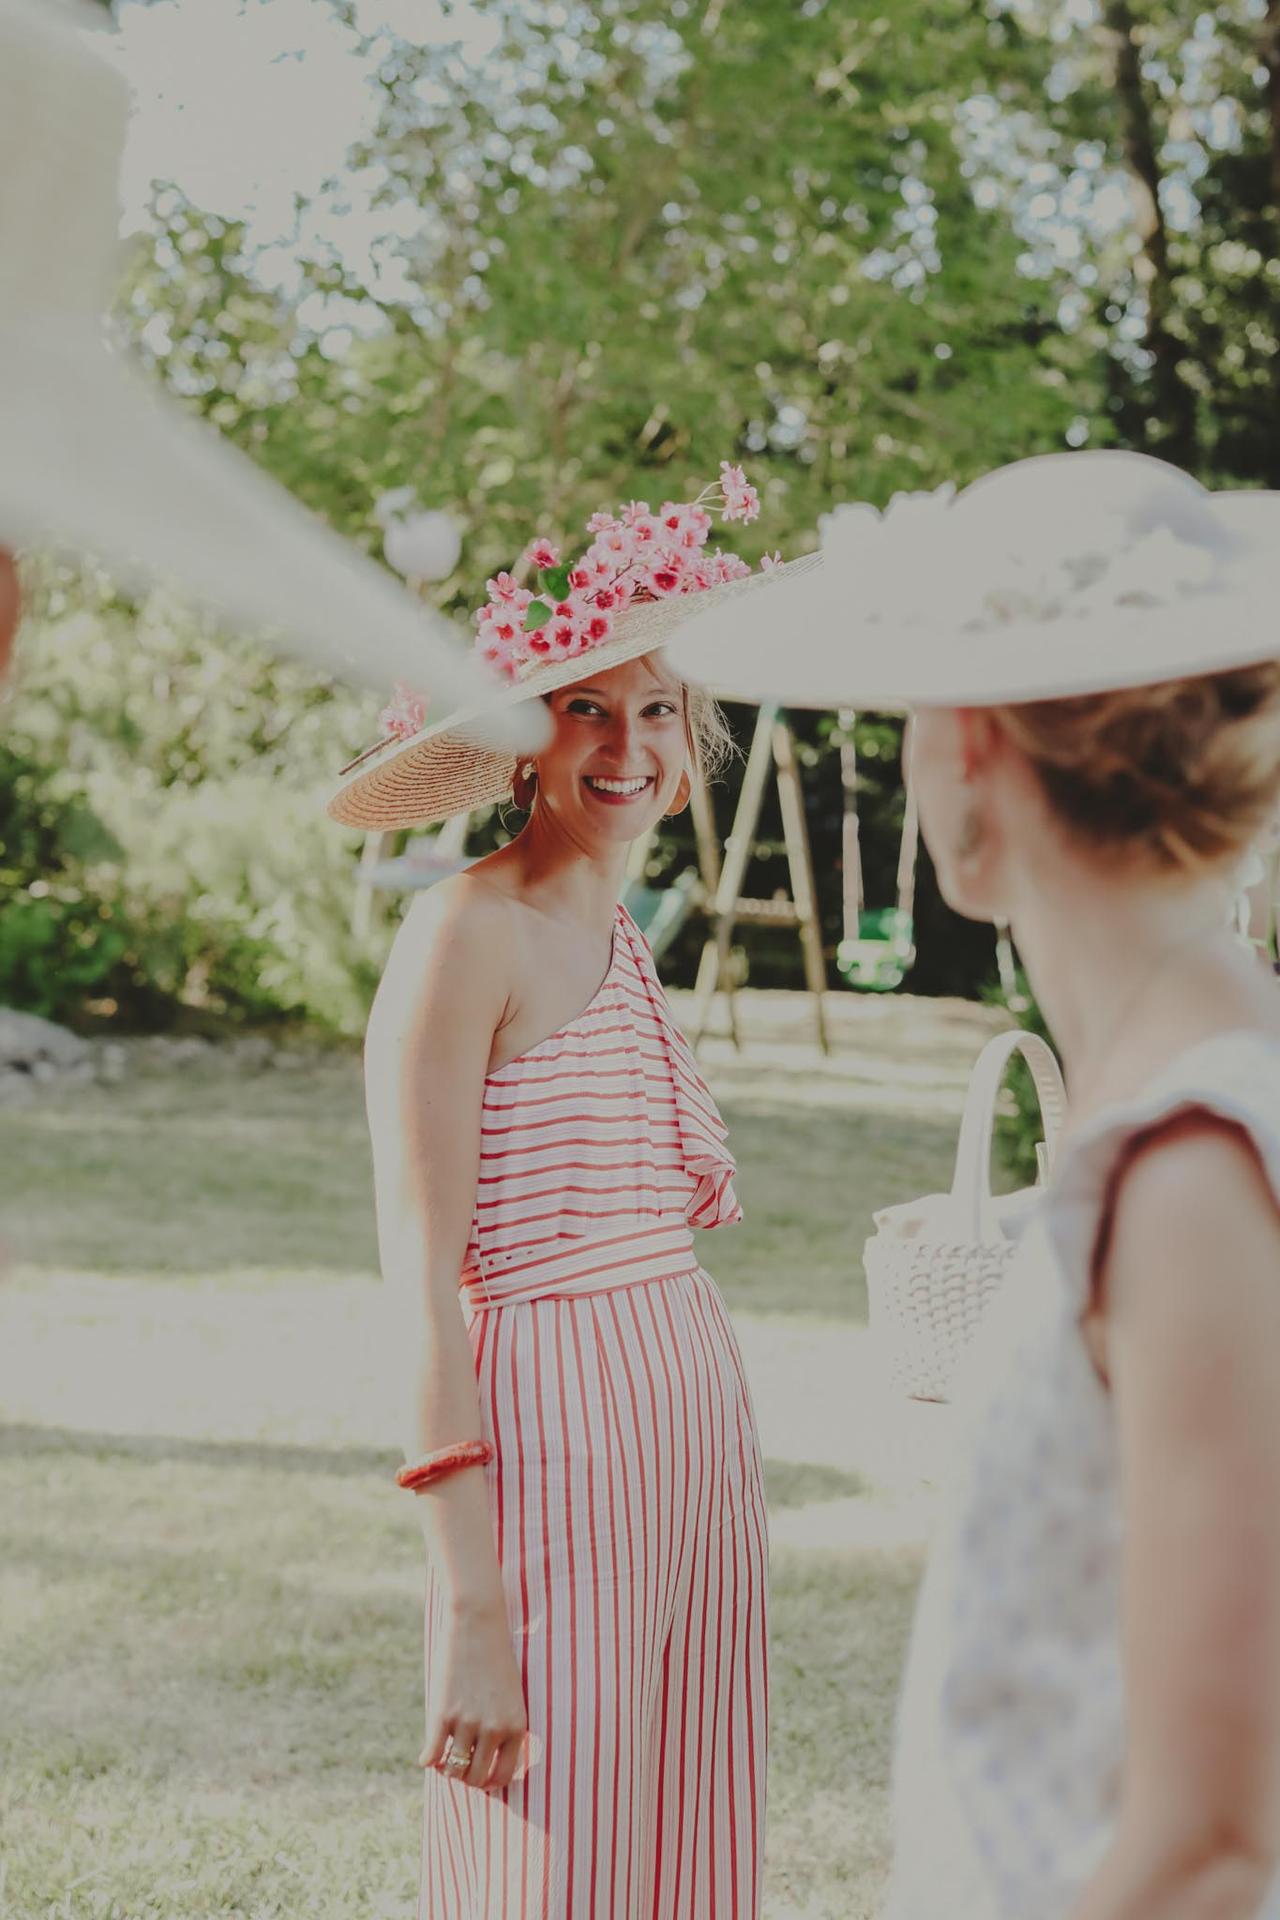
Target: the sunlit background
(512, 262)
(527, 260)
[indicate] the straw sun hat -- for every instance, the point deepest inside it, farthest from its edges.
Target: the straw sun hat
(93, 458)
(1062, 575)
(420, 773)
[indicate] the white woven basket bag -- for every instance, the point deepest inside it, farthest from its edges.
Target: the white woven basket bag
(934, 1265)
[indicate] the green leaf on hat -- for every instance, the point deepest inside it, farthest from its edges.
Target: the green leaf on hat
(537, 615)
(556, 581)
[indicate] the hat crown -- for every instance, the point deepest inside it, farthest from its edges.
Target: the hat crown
(64, 112)
(1056, 505)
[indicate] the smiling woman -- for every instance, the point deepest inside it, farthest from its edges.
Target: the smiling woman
(592, 714)
(582, 1444)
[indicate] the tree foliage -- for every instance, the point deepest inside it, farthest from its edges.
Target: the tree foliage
(860, 251)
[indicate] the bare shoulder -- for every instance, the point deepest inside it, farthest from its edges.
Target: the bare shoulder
(1193, 1168)
(450, 959)
(1192, 1202)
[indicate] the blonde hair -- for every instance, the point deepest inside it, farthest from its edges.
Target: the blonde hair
(711, 745)
(1186, 774)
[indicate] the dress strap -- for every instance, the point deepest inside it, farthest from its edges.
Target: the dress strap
(1235, 1077)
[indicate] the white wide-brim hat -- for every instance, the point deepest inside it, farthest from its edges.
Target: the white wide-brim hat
(446, 768)
(1061, 575)
(93, 460)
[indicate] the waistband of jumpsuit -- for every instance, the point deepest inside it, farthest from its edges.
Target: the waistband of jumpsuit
(631, 1253)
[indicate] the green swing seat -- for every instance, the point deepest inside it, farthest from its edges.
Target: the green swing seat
(879, 959)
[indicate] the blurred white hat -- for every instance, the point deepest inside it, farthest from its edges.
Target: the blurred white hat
(92, 459)
(1064, 574)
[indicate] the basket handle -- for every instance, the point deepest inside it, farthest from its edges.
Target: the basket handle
(971, 1187)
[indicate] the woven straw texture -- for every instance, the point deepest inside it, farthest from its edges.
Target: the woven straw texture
(927, 1301)
(445, 770)
(929, 1293)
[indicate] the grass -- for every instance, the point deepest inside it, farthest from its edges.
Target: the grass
(210, 1699)
(267, 1174)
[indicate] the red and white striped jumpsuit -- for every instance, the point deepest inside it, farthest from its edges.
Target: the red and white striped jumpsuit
(627, 1497)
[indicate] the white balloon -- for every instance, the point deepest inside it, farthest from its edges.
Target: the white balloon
(426, 546)
(394, 505)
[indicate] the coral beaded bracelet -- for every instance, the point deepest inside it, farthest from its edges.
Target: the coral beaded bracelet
(435, 1466)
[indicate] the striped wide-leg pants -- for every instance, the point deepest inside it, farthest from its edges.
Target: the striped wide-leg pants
(629, 1512)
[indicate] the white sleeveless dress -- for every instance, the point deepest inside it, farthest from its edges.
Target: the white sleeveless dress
(1011, 1727)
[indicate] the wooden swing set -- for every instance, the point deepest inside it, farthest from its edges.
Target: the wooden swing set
(878, 944)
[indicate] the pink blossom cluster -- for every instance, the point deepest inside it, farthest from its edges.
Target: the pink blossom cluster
(635, 555)
(404, 715)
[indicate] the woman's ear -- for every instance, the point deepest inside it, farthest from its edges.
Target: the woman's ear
(683, 795)
(978, 739)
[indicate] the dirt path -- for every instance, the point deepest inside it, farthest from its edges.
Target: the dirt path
(293, 1360)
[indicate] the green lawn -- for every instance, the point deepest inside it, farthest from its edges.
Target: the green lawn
(210, 1687)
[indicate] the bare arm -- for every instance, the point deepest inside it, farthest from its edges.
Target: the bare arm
(1192, 1303)
(442, 998)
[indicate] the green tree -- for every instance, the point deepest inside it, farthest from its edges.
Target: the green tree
(859, 252)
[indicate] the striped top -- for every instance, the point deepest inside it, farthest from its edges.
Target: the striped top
(600, 1148)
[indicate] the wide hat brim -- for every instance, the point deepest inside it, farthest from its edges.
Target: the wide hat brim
(93, 461)
(448, 769)
(810, 640)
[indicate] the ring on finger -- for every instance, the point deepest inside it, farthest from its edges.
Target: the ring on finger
(456, 1760)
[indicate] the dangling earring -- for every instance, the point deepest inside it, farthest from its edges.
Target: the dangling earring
(525, 786)
(683, 795)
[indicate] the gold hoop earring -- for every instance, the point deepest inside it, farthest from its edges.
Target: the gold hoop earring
(683, 795)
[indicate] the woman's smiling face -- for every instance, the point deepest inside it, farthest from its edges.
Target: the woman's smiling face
(618, 752)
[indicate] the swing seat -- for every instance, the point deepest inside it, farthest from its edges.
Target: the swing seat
(879, 959)
(660, 912)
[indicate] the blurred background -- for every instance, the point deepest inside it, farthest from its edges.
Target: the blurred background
(513, 261)
(527, 260)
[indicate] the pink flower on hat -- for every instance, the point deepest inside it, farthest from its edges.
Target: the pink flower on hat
(502, 660)
(405, 714)
(501, 624)
(769, 562)
(684, 526)
(612, 549)
(634, 555)
(666, 573)
(741, 501)
(502, 589)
